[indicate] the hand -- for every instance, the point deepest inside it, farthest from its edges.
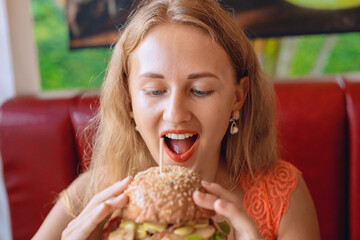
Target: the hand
(100, 207)
(228, 205)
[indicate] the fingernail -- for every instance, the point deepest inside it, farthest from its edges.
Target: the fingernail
(222, 204)
(205, 183)
(201, 195)
(127, 178)
(109, 201)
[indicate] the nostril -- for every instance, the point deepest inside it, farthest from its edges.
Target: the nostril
(177, 110)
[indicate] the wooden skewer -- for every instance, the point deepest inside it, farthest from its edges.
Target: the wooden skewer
(161, 153)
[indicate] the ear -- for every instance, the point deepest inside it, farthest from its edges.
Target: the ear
(241, 90)
(131, 115)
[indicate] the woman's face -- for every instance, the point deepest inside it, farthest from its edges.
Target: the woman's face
(182, 87)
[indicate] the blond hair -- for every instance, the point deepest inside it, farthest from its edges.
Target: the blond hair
(120, 151)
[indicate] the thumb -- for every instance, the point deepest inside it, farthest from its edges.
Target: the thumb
(241, 222)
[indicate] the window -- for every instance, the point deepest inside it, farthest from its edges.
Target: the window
(308, 55)
(60, 67)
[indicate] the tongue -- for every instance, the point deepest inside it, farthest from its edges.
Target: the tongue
(180, 146)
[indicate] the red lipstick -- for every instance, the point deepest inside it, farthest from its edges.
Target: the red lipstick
(180, 158)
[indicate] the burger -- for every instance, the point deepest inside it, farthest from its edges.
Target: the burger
(161, 207)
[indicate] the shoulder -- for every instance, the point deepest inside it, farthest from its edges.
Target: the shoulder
(282, 177)
(285, 201)
(283, 173)
(300, 220)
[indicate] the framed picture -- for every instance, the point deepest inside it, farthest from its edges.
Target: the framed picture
(96, 23)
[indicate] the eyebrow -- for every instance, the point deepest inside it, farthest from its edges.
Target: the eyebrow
(152, 75)
(191, 76)
(202, 75)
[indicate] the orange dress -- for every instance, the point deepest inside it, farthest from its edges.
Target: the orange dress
(267, 199)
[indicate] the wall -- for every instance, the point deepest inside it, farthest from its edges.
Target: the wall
(18, 61)
(19, 73)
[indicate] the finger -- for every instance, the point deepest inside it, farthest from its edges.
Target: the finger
(219, 191)
(82, 226)
(112, 191)
(238, 219)
(221, 206)
(229, 210)
(118, 201)
(204, 200)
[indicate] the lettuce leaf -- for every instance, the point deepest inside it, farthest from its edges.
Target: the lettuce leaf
(223, 229)
(195, 237)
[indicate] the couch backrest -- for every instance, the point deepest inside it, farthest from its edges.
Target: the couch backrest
(42, 144)
(39, 158)
(312, 129)
(82, 112)
(353, 112)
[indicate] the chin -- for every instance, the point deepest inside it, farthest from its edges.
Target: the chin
(161, 207)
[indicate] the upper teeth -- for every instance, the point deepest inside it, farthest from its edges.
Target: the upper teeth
(179, 136)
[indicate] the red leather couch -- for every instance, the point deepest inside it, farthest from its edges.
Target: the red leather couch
(42, 148)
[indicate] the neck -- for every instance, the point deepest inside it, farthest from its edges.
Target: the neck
(211, 172)
(223, 177)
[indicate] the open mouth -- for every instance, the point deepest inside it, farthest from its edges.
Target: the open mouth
(180, 147)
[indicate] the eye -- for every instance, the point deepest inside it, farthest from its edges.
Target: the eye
(155, 92)
(200, 93)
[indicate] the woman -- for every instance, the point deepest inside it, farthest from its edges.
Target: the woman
(183, 70)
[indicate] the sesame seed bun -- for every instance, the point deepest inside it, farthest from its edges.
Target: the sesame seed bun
(164, 197)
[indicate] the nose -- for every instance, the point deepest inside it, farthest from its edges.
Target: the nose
(177, 108)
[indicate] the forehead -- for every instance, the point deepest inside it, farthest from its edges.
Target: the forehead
(180, 44)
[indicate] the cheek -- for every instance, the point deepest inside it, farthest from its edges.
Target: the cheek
(216, 119)
(144, 108)
(146, 114)
(145, 120)
(139, 103)
(139, 109)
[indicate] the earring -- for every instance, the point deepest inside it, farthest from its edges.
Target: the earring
(234, 128)
(136, 128)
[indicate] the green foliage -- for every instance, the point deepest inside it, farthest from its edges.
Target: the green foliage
(271, 51)
(61, 68)
(305, 55)
(345, 56)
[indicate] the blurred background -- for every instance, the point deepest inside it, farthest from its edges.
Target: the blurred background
(65, 44)
(60, 67)
(56, 48)
(283, 56)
